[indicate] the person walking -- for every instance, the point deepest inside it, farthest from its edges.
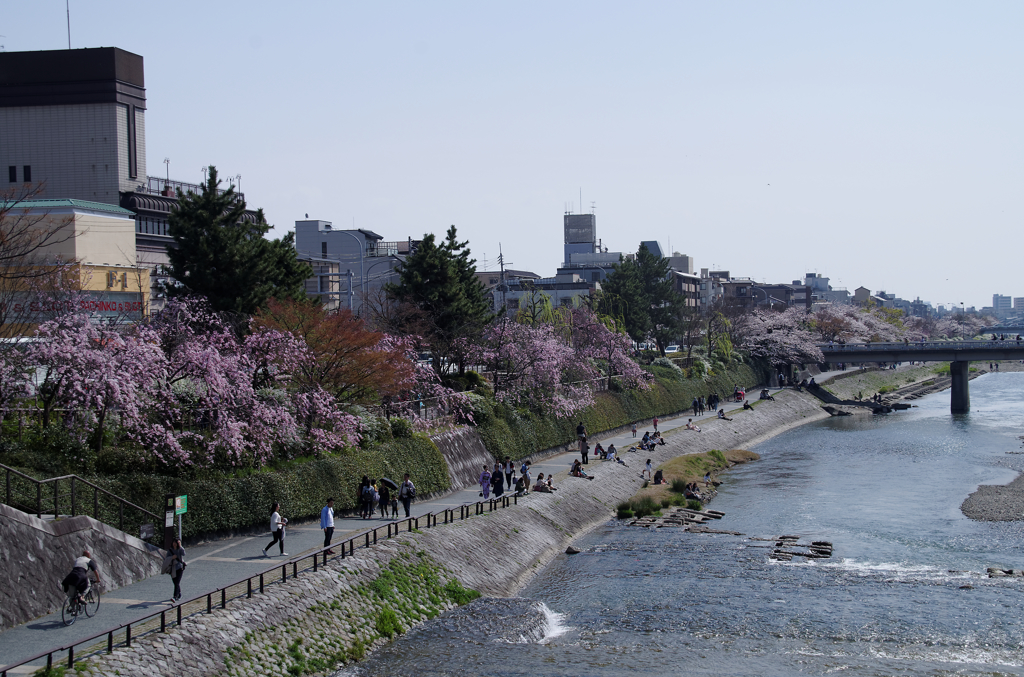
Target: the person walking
(276, 529)
(694, 405)
(327, 523)
(524, 473)
(406, 493)
(178, 568)
(585, 452)
(510, 472)
(366, 493)
(634, 429)
(649, 470)
(385, 499)
(497, 481)
(655, 422)
(485, 483)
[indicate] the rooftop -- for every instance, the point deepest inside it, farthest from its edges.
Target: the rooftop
(67, 203)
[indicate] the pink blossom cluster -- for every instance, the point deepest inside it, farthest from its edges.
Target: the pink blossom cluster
(552, 366)
(186, 387)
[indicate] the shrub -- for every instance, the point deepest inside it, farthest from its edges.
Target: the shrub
(678, 485)
(718, 456)
(387, 623)
(624, 511)
(644, 506)
(400, 428)
(666, 363)
(459, 594)
(694, 504)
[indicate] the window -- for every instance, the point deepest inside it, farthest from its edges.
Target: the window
(12, 174)
(28, 173)
(323, 249)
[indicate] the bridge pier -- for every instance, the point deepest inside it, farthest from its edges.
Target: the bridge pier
(960, 395)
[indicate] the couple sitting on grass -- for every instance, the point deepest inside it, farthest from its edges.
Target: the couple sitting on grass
(577, 470)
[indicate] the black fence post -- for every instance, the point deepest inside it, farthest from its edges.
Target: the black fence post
(248, 590)
(56, 512)
(73, 513)
(71, 656)
(261, 584)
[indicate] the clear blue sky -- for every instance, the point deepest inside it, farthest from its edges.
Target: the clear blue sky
(877, 143)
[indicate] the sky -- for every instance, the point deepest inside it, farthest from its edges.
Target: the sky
(879, 144)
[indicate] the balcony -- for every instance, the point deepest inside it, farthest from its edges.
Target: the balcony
(169, 188)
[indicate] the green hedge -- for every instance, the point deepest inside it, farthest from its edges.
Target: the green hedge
(517, 433)
(220, 502)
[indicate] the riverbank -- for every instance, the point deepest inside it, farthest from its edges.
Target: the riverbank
(350, 606)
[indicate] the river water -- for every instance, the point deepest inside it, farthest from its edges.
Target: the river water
(905, 592)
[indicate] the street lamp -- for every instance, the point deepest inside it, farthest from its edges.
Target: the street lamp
(360, 246)
(963, 316)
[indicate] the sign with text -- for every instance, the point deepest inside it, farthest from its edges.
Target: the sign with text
(181, 505)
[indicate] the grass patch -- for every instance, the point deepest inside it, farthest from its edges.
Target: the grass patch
(459, 594)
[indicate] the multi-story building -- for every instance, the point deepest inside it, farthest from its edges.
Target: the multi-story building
(97, 239)
(74, 122)
(563, 290)
(583, 254)
(1002, 305)
(350, 266)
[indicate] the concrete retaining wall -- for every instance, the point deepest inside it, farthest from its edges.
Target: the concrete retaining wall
(496, 553)
(37, 554)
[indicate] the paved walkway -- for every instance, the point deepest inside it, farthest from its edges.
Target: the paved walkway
(219, 563)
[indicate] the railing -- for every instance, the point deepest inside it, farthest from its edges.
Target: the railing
(44, 497)
(926, 345)
(244, 587)
(169, 188)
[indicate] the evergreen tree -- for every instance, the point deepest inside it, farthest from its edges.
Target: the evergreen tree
(440, 282)
(640, 294)
(224, 256)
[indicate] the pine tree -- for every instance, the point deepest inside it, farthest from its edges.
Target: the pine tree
(222, 254)
(640, 293)
(440, 281)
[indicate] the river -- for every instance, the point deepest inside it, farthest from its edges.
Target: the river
(905, 592)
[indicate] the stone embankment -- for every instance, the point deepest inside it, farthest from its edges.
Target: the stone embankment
(323, 618)
(37, 555)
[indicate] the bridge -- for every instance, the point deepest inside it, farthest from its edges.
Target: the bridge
(959, 354)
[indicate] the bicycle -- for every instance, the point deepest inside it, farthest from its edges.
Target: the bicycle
(72, 607)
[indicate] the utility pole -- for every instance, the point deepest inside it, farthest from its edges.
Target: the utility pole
(501, 279)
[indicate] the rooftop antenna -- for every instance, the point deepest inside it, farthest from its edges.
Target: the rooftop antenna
(593, 207)
(67, 6)
(167, 164)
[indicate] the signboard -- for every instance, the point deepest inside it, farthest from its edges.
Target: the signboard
(146, 532)
(181, 505)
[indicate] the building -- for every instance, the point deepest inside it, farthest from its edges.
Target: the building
(1002, 306)
(821, 291)
(567, 289)
(350, 266)
(712, 289)
(74, 121)
(99, 239)
(583, 253)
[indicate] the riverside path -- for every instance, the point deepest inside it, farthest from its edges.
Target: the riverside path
(217, 563)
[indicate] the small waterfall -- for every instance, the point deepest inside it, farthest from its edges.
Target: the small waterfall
(465, 454)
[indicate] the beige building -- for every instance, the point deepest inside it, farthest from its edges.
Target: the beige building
(97, 240)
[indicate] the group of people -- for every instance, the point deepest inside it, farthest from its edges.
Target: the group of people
(702, 404)
(649, 440)
(382, 494)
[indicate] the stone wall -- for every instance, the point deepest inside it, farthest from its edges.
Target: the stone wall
(465, 454)
(37, 555)
(336, 611)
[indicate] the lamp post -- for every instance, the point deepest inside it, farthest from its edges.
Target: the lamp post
(963, 316)
(360, 246)
(766, 299)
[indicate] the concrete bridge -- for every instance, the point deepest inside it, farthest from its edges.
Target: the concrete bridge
(959, 354)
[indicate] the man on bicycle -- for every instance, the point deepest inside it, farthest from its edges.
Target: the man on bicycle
(79, 576)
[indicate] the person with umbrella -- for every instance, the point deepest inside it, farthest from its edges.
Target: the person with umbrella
(386, 486)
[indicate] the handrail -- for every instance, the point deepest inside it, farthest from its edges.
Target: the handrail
(122, 503)
(919, 346)
(366, 539)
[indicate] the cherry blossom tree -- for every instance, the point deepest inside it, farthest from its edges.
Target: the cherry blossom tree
(779, 337)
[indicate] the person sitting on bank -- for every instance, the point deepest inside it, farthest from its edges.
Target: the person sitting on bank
(599, 451)
(690, 425)
(521, 486)
(747, 405)
(656, 439)
(721, 415)
(659, 477)
(541, 485)
(692, 492)
(577, 471)
(609, 455)
(646, 438)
